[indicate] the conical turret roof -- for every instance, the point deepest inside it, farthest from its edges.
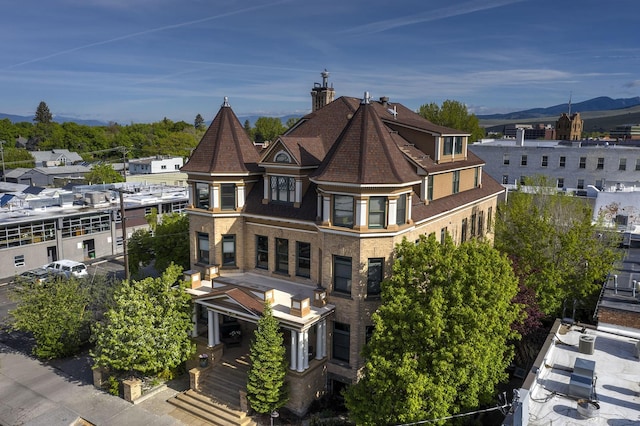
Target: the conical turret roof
(225, 147)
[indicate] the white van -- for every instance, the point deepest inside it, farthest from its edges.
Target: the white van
(68, 267)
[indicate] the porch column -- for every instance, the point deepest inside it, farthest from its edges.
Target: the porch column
(319, 340)
(216, 328)
(301, 354)
(210, 321)
(294, 350)
(305, 351)
(194, 319)
(324, 338)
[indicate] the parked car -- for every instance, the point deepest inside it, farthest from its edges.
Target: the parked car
(38, 275)
(68, 267)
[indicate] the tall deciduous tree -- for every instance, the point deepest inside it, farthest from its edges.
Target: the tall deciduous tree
(143, 247)
(103, 173)
(147, 331)
(441, 336)
(268, 128)
(43, 115)
(266, 389)
(455, 115)
(174, 227)
(56, 314)
(555, 248)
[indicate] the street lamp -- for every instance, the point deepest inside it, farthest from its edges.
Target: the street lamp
(274, 415)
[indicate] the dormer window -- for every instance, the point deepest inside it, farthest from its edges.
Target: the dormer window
(283, 189)
(282, 157)
(452, 145)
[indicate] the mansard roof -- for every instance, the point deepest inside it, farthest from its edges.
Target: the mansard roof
(225, 148)
(365, 153)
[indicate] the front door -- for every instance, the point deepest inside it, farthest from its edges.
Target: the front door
(52, 254)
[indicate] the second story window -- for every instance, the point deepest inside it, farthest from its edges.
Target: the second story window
(523, 160)
(343, 211)
(228, 196)
(303, 259)
(283, 189)
(545, 160)
(282, 255)
(623, 164)
(563, 161)
(262, 252)
(342, 274)
(430, 188)
(377, 212)
(583, 163)
(600, 164)
(228, 250)
(203, 248)
(505, 159)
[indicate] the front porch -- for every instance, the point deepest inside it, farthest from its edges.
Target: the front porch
(225, 316)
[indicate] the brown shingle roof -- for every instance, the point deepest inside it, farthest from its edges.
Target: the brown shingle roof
(308, 151)
(224, 148)
(240, 295)
(365, 153)
(421, 211)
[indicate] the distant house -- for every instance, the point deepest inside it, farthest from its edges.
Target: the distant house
(48, 176)
(157, 170)
(55, 157)
(157, 164)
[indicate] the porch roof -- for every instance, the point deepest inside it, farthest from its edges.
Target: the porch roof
(241, 295)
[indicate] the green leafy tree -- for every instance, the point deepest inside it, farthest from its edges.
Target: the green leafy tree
(291, 122)
(17, 157)
(555, 248)
(56, 314)
(441, 336)
(266, 388)
(268, 128)
(455, 115)
(43, 115)
(147, 330)
(144, 247)
(198, 123)
(103, 173)
(173, 227)
(139, 250)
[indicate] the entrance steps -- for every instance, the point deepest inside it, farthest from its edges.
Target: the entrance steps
(218, 400)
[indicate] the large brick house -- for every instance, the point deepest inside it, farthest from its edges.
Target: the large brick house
(310, 223)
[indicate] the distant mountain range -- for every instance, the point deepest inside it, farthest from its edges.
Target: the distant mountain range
(56, 118)
(603, 103)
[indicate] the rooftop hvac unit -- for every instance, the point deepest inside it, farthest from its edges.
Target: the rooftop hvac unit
(586, 344)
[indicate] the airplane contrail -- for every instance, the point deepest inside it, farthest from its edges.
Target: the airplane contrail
(139, 33)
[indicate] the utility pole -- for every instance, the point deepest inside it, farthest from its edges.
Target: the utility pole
(4, 178)
(123, 224)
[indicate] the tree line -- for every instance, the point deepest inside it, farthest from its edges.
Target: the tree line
(114, 141)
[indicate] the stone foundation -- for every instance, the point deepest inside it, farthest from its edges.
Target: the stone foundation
(306, 387)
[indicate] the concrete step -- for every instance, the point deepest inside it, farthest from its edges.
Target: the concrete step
(210, 411)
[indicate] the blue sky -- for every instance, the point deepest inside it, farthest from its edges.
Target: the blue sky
(142, 60)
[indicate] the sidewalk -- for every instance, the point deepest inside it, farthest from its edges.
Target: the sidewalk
(34, 393)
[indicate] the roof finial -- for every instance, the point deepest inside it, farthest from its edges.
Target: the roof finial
(226, 102)
(366, 99)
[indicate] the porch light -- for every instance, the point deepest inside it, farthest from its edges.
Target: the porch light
(319, 296)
